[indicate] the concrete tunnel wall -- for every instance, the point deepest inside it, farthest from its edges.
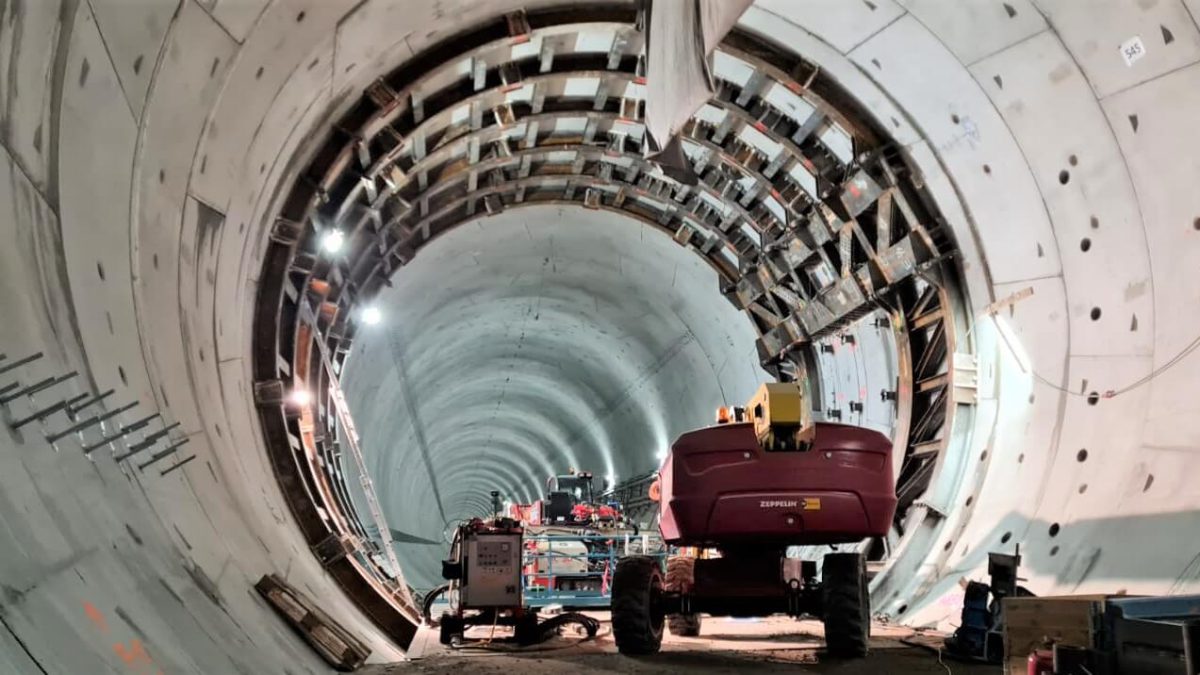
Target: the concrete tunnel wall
(144, 149)
(529, 342)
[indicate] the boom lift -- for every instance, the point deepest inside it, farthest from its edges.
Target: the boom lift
(762, 479)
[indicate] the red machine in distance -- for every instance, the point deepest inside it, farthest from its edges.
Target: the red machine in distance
(571, 500)
(761, 480)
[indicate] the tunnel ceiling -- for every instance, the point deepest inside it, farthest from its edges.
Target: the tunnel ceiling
(806, 213)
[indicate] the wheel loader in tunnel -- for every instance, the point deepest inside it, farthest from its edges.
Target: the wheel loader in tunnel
(764, 478)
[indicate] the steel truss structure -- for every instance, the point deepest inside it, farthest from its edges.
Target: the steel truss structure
(810, 216)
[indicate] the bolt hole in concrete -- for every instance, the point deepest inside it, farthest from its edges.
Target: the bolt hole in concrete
(954, 119)
(1064, 177)
(1006, 537)
(1093, 399)
(121, 374)
(1095, 314)
(100, 270)
(300, 17)
(1054, 528)
(1073, 160)
(1149, 482)
(1054, 551)
(1196, 223)
(947, 546)
(1021, 458)
(1083, 488)
(987, 169)
(1085, 245)
(1095, 223)
(970, 500)
(1081, 456)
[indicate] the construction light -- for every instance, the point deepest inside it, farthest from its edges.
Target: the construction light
(372, 316)
(661, 454)
(333, 240)
(301, 397)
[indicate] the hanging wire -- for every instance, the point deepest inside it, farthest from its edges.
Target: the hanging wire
(1145, 379)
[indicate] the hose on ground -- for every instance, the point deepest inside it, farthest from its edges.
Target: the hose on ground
(550, 626)
(429, 599)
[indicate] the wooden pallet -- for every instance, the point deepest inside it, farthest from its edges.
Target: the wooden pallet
(336, 645)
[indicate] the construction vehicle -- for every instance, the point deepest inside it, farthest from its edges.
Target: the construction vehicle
(764, 478)
(571, 500)
(573, 568)
(572, 541)
(485, 572)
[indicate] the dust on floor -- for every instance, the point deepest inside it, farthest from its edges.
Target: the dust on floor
(724, 646)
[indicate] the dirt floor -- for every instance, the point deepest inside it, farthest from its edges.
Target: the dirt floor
(724, 646)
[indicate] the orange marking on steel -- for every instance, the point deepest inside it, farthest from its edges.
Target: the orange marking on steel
(639, 80)
(96, 616)
(854, 190)
(760, 126)
(520, 39)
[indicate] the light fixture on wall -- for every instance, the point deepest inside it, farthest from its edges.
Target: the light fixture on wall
(333, 240)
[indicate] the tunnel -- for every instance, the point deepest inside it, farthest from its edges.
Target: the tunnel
(293, 285)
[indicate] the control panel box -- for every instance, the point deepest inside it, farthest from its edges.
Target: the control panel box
(492, 571)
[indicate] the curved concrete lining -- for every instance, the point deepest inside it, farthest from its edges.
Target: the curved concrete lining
(530, 342)
(146, 147)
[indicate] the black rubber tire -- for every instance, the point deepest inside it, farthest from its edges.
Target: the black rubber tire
(637, 618)
(449, 627)
(681, 576)
(526, 630)
(847, 605)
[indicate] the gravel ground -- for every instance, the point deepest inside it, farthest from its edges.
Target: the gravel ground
(724, 646)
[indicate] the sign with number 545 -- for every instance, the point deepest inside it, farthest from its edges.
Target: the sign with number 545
(1132, 50)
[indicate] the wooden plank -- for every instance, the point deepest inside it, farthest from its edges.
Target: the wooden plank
(336, 645)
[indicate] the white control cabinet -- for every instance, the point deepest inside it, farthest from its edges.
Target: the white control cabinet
(492, 571)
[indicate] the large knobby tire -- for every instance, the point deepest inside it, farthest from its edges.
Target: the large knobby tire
(847, 604)
(681, 577)
(637, 617)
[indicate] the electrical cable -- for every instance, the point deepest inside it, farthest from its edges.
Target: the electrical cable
(939, 652)
(545, 630)
(492, 634)
(1110, 393)
(429, 599)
